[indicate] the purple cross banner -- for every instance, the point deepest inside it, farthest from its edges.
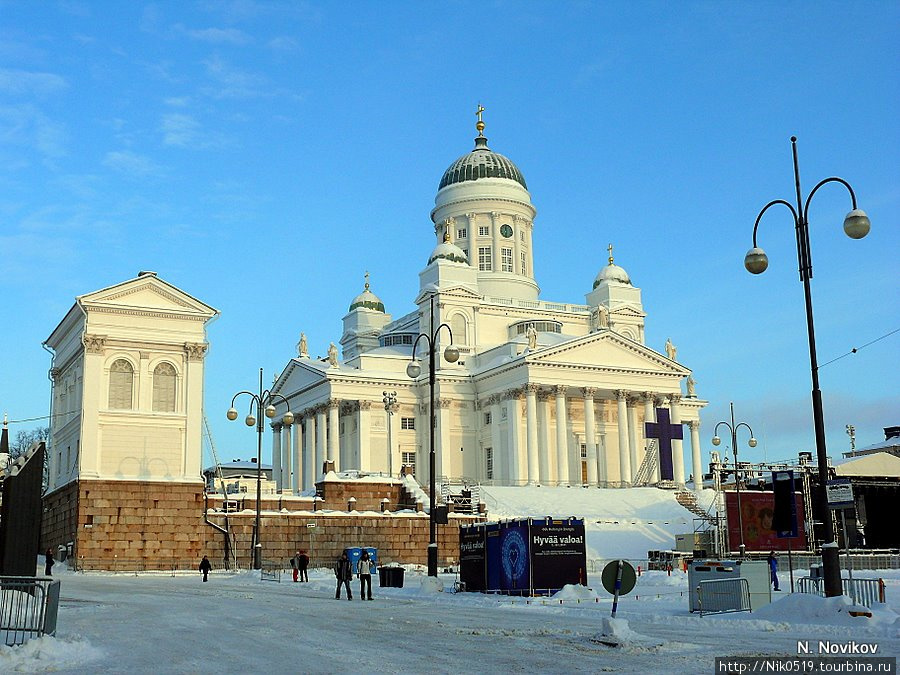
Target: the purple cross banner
(665, 433)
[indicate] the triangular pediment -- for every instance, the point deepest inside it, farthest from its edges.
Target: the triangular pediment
(609, 350)
(457, 291)
(299, 375)
(146, 293)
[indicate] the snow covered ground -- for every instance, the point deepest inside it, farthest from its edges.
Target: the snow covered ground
(238, 624)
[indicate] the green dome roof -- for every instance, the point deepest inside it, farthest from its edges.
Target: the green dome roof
(482, 162)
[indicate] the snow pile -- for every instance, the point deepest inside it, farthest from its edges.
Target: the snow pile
(617, 633)
(618, 523)
(47, 653)
(431, 585)
(574, 592)
(805, 608)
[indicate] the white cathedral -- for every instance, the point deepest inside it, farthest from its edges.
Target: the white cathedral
(542, 393)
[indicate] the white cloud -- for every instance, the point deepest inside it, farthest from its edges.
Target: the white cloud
(284, 43)
(217, 36)
(180, 129)
(26, 125)
(177, 101)
(131, 163)
(26, 82)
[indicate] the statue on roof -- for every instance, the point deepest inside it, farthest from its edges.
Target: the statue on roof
(332, 355)
(671, 350)
(531, 334)
(302, 348)
(691, 387)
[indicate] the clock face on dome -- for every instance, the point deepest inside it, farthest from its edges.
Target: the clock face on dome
(506, 231)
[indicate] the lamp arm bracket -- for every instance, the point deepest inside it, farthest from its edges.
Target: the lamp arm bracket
(766, 208)
(416, 344)
(438, 330)
(833, 179)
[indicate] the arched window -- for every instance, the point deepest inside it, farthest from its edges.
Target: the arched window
(458, 326)
(164, 387)
(121, 385)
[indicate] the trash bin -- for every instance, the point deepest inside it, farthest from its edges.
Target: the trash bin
(390, 577)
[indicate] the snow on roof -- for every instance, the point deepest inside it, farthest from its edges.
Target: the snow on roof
(879, 464)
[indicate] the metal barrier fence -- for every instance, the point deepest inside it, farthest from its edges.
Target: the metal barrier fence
(28, 608)
(868, 591)
(717, 596)
(270, 571)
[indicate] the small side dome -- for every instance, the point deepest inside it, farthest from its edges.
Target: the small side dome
(448, 251)
(612, 272)
(367, 299)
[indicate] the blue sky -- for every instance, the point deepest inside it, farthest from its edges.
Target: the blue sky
(263, 156)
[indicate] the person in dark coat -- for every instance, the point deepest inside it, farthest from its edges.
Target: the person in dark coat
(48, 562)
(773, 568)
(295, 565)
(343, 570)
(364, 571)
(205, 567)
(303, 564)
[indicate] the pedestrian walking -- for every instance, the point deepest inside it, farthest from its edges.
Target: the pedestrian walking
(773, 569)
(295, 565)
(205, 567)
(48, 562)
(303, 564)
(343, 570)
(364, 571)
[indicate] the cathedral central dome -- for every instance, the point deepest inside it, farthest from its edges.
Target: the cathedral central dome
(482, 162)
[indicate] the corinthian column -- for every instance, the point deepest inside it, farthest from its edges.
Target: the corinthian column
(276, 455)
(696, 460)
(334, 434)
(285, 483)
(531, 390)
(622, 415)
(562, 437)
(589, 438)
(677, 445)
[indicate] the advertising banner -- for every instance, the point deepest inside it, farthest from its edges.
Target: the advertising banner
(492, 556)
(472, 563)
(758, 512)
(558, 555)
(515, 570)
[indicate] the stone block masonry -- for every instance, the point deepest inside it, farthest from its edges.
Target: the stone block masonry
(139, 525)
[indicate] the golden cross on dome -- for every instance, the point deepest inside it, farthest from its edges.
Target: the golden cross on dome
(367, 279)
(609, 248)
(480, 123)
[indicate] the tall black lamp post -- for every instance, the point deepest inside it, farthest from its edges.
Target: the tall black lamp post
(733, 428)
(413, 369)
(263, 402)
(856, 225)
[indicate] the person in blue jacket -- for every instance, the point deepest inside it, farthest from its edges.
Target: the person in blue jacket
(773, 569)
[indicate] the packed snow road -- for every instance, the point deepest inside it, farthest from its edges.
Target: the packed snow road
(239, 624)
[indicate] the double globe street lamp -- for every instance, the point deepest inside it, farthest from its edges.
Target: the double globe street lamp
(263, 402)
(733, 428)
(856, 226)
(413, 370)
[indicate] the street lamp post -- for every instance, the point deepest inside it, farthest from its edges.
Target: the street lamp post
(856, 226)
(413, 369)
(390, 405)
(263, 401)
(737, 479)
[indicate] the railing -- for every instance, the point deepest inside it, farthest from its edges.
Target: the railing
(867, 591)
(28, 608)
(270, 571)
(718, 596)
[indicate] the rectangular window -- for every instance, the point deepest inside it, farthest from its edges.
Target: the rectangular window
(408, 423)
(484, 258)
(484, 231)
(409, 459)
(489, 463)
(487, 418)
(506, 260)
(524, 265)
(462, 233)
(522, 235)
(583, 451)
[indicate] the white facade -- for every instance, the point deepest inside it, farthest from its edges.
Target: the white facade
(127, 372)
(543, 393)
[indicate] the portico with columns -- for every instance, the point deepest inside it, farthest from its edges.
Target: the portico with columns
(544, 393)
